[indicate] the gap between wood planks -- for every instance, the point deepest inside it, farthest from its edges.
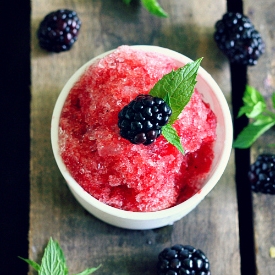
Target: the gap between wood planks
(242, 164)
(15, 135)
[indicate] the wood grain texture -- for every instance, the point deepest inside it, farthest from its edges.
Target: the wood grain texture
(262, 77)
(86, 241)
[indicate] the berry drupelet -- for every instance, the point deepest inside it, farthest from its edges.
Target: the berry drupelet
(142, 119)
(183, 260)
(237, 38)
(59, 30)
(262, 174)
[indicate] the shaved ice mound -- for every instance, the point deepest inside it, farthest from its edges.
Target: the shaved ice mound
(114, 171)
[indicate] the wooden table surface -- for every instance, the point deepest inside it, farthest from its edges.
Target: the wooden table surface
(214, 225)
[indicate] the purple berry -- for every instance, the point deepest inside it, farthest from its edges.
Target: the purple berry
(142, 119)
(59, 30)
(182, 260)
(262, 174)
(237, 38)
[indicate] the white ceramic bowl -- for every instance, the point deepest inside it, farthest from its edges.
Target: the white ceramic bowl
(137, 220)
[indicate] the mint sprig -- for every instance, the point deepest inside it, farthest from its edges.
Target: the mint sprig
(54, 262)
(176, 89)
(151, 6)
(172, 136)
(261, 118)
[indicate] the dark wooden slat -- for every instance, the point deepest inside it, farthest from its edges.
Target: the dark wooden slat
(15, 139)
(242, 163)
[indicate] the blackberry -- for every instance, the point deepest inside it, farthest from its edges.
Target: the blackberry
(262, 174)
(182, 260)
(59, 30)
(142, 119)
(237, 38)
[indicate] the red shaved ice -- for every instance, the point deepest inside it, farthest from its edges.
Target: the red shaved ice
(116, 172)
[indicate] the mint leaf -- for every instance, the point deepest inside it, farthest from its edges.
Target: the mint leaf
(261, 119)
(89, 271)
(254, 103)
(257, 109)
(35, 265)
(172, 137)
(252, 96)
(250, 134)
(177, 87)
(53, 262)
(273, 100)
(154, 8)
(127, 2)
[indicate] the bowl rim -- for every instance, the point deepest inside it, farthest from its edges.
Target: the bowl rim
(160, 214)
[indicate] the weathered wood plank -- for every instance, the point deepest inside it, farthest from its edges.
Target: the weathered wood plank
(212, 226)
(262, 77)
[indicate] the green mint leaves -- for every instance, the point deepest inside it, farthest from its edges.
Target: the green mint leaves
(54, 263)
(154, 8)
(172, 137)
(261, 118)
(151, 6)
(176, 89)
